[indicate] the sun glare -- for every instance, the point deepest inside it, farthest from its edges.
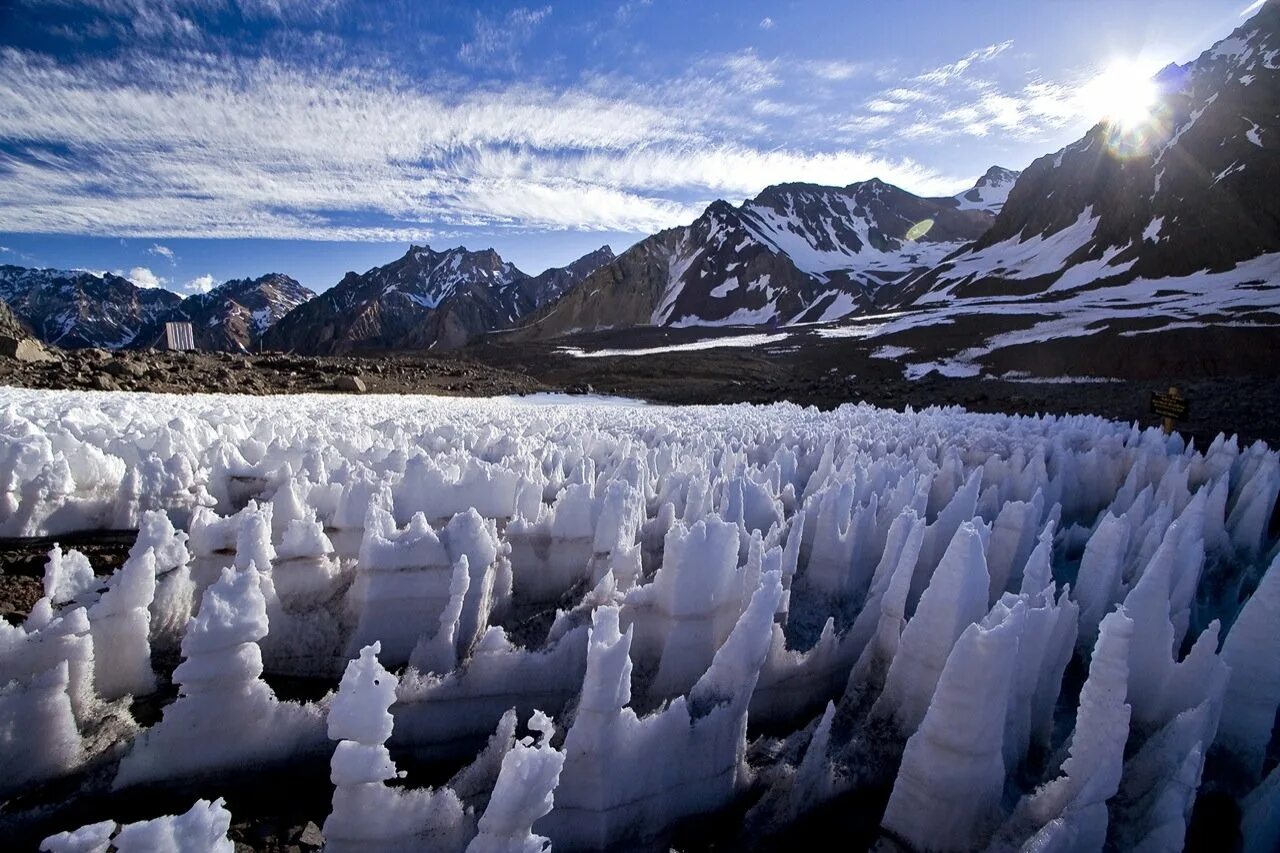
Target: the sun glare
(1123, 95)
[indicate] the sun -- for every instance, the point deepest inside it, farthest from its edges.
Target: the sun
(1123, 95)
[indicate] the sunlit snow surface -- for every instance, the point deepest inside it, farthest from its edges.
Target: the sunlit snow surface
(966, 631)
(731, 341)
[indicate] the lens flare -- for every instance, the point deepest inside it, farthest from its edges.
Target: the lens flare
(917, 231)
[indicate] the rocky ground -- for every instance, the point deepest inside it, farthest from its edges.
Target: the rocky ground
(271, 373)
(1231, 386)
(1234, 391)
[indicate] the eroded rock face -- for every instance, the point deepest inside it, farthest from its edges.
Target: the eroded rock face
(10, 325)
(25, 349)
(16, 341)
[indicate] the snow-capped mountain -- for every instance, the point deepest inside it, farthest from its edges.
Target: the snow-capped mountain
(76, 308)
(234, 315)
(426, 299)
(1193, 189)
(991, 191)
(794, 253)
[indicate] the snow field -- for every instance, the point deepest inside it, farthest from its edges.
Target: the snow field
(771, 606)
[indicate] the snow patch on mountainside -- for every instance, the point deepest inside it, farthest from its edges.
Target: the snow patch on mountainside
(991, 191)
(1020, 258)
(733, 342)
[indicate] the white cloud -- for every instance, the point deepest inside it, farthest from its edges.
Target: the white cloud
(1252, 7)
(625, 11)
(954, 100)
(952, 70)
(162, 251)
(710, 171)
(766, 23)
(200, 284)
(143, 277)
(498, 42)
(203, 147)
(865, 124)
(749, 72)
(834, 70)
(884, 105)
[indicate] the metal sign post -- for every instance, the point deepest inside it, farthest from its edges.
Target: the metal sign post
(1170, 406)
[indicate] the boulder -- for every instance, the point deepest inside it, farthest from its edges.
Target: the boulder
(25, 349)
(352, 384)
(124, 368)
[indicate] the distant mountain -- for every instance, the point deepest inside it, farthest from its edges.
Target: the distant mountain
(991, 191)
(424, 300)
(234, 315)
(1197, 188)
(550, 285)
(795, 253)
(75, 308)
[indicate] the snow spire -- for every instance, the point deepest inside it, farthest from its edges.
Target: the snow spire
(947, 793)
(955, 598)
(1098, 580)
(1253, 689)
(366, 813)
(1092, 771)
(121, 626)
(524, 792)
(225, 715)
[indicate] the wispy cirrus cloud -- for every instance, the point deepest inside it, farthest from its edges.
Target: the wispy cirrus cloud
(965, 98)
(954, 70)
(834, 70)
(749, 72)
(497, 41)
(202, 147)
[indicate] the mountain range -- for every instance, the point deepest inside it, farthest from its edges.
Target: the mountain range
(795, 253)
(424, 300)
(233, 316)
(1112, 222)
(76, 308)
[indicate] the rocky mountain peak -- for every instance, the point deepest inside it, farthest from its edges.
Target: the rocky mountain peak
(991, 190)
(233, 316)
(426, 299)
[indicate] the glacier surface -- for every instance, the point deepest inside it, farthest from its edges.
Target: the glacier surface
(595, 625)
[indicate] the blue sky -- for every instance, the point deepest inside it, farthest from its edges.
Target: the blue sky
(184, 142)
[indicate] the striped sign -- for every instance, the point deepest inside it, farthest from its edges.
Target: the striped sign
(178, 336)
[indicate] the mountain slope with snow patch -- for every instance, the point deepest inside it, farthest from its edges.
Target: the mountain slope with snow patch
(795, 253)
(77, 308)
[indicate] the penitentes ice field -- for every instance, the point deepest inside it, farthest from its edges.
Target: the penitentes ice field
(621, 621)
